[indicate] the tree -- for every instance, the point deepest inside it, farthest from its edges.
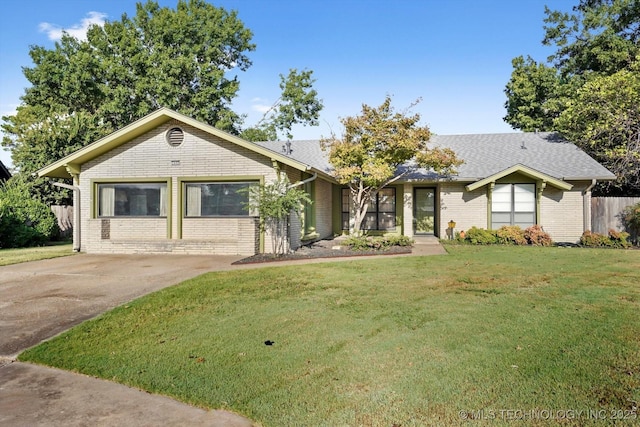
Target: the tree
(186, 59)
(599, 39)
(604, 117)
(274, 203)
(374, 146)
(298, 103)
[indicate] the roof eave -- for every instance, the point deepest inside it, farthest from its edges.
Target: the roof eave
(525, 170)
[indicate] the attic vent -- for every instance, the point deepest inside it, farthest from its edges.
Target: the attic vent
(175, 137)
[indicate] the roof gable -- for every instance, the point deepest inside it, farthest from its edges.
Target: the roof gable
(71, 163)
(531, 173)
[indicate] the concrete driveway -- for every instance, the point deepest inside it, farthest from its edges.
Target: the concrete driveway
(43, 298)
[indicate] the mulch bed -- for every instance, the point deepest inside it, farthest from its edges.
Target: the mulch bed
(322, 249)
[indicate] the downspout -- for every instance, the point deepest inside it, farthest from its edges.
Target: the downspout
(76, 213)
(586, 206)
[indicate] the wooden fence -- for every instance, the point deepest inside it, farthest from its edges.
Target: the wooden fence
(605, 212)
(65, 219)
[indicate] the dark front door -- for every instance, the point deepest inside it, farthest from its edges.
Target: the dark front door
(424, 210)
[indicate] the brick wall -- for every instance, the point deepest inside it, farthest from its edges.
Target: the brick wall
(466, 208)
(561, 212)
(149, 156)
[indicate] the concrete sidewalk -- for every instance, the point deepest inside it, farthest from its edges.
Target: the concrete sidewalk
(40, 299)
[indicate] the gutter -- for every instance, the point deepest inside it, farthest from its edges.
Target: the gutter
(299, 183)
(76, 213)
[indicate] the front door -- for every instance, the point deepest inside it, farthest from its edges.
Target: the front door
(424, 210)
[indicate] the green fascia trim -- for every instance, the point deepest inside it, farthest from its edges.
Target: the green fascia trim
(145, 124)
(94, 193)
(524, 170)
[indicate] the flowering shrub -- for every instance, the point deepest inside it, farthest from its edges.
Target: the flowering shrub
(480, 236)
(536, 236)
(615, 239)
(510, 235)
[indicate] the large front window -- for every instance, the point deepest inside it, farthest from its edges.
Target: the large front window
(381, 214)
(513, 204)
(217, 198)
(132, 199)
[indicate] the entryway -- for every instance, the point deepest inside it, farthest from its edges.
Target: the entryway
(424, 211)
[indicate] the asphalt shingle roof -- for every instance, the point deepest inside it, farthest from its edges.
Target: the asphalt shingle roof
(484, 155)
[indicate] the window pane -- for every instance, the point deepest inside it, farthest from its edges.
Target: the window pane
(387, 200)
(501, 198)
(386, 221)
(131, 199)
(370, 220)
(346, 200)
(524, 219)
(345, 220)
(524, 197)
(217, 199)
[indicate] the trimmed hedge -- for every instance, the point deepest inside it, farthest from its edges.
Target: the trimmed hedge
(507, 235)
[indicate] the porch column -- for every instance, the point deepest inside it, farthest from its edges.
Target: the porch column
(407, 206)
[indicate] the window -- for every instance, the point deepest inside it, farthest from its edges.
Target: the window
(513, 204)
(134, 199)
(217, 199)
(381, 214)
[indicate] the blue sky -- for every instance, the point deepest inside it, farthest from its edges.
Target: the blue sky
(454, 54)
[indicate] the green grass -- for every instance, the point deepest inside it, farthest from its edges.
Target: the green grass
(399, 341)
(15, 256)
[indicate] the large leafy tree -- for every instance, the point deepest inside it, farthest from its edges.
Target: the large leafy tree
(186, 59)
(379, 147)
(596, 40)
(298, 103)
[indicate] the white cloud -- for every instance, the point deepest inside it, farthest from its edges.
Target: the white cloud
(79, 31)
(260, 105)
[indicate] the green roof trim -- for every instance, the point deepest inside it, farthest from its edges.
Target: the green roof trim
(524, 170)
(58, 169)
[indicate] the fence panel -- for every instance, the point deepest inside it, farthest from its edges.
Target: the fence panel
(605, 212)
(65, 219)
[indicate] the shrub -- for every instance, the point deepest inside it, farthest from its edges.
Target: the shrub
(510, 235)
(619, 239)
(480, 236)
(536, 236)
(363, 243)
(615, 239)
(630, 218)
(24, 221)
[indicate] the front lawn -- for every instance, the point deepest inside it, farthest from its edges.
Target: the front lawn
(54, 250)
(401, 341)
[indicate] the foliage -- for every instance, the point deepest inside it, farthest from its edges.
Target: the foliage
(589, 90)
(480, 236)
(630, 217)
(274, 203)
(536, 236)
(510, 235)
(604, 118)
(363, 342)
(24, 221)
(614, 239)
(374, 150)
(298, 103)
(363, 243)
(186, 59)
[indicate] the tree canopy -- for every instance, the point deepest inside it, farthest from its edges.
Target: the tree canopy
(597, 47)
(372, 148)
(186, 59)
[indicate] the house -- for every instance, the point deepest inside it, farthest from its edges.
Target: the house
(4, 172)
(169, 183)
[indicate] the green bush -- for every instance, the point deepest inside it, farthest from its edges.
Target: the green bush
(615, 239)
(536, 236)
(480, 236)
(630, 217)
(24, 221)
(363, 243)
(510, 235)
